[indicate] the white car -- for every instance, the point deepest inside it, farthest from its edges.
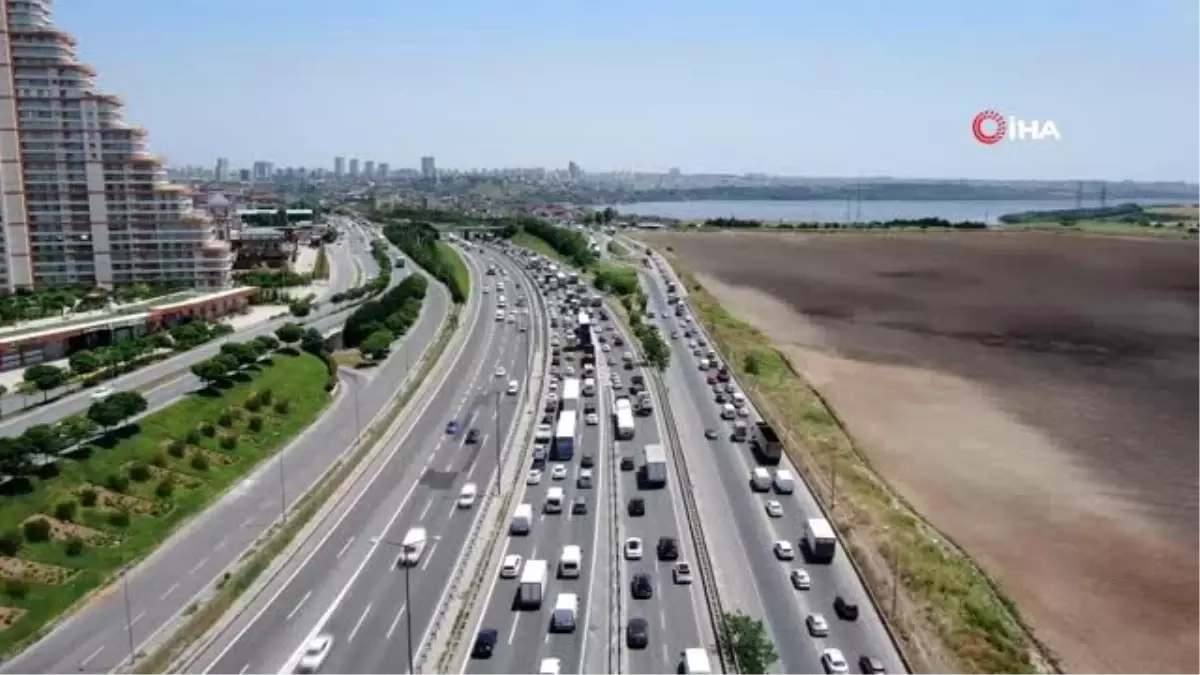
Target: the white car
(553, 386)
(511, 566)
(682, 573)
(633, 548)
(784, 550)
(817, 625)
(500, 372)
(605, 348)
(314, 653)
(466, 497)
(534, 477)
(559, 472)
(801, 580)
(743, 412)
(592, 419)
(101, 393)
(549, 667)
(774, 508)
(834, 662)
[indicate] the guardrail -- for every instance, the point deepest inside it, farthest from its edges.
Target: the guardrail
(615, 643)
(467, 610)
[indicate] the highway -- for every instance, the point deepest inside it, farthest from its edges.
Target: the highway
(749, 575)
(345, 583)
(170, 378)
(674, 610)
(96, 639)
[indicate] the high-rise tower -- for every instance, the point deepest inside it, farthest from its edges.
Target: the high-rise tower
(83, 202)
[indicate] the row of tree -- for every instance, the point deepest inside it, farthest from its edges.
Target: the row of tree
(571, 244)
(419, 241)
(386, 318)
(896, 223)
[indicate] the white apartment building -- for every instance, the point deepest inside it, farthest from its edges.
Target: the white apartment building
(82, 201)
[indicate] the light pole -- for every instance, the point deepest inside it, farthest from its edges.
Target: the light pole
(408, 604)
(282, 491)
(497, 442)
(357, 417)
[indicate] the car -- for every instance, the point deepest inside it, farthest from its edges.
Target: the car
(550, 667)
(845, 607)
(674, 335)
(721, 399)
(697, 352)
(774, 508)
(559, 472)
(472, 435)
(682, 573)
(315, 652)
(592, 419)
(870, 664)
(642, 587)
(817, 625)
(466, 496)
(534, 477)
(500, 371)
(784, 550)
(453, 428)
(637, 633)
(633, 548)
(637, 506)
(511, 567)
(743, 412)
(584, 481)
(627, 463)
(800, 580)
(711, 380)
(101, 393)
(833, 661)
(485, 643)
(668, 548)
(579, 506)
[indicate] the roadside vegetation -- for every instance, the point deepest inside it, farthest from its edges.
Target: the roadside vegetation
(419, 241)
(321, 266)
(750, 643)
(26, 305)
(949, 617)
(457, 266)
(376, 324)
(84, 497)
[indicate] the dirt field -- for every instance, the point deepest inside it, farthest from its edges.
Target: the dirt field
(1035, 397)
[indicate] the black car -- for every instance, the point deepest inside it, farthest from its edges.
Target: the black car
(870, 664)
(586, 461)
(711, 434)
(637, 506)
(473, 436)
(637, 633)
(485, 642)
(579, 506)
(668, 548)
(845, 607)
(627, 463)
(720, 398)
(641, 586)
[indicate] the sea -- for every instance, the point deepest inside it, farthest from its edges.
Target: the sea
(838, 211)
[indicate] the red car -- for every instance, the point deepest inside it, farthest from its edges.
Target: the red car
(712, 379)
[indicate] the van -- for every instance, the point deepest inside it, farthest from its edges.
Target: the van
(522, 520)
(513, 386)
(760, 479)
(412, 547)
(785, 483)
(739, 399)
(740, 431)
(554, 500)
(562, 619)
(728, 412)
(695, 660)
(570, 563)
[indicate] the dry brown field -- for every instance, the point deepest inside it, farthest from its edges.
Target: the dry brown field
(1033, 396)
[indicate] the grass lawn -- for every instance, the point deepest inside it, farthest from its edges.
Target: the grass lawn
(458, 267)
(953, 617)
(169, 447)
(1187, 231)
(538, 245)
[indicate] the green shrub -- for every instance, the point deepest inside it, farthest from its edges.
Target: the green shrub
(200, 462)
(265, 396)
(119, 518)
(253, 404)
(15, 588)
(177, 449)
(74, 547)
(65, 511)
(10, 542)
(117, 483)
(208, 429)
(139, 472)
(88, 497)
(164, 489)
(193, 437)
(282, 406)
(256, 424)
(226, 419)
(159, 460)
(36, 530)
(229, 441)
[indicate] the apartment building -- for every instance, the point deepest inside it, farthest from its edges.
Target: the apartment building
(82, 200)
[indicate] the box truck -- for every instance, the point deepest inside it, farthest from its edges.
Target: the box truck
(654, 468)
(819, 541)
(532, 585)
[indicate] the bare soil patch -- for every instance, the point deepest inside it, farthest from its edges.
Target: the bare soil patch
(109, 499)
(62, 531)
(1035, 397)
(31, 572)
(10, 615)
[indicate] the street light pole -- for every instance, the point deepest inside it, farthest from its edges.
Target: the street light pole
(282, 490)
(408, 604)
(497, 443)
(895, 577)
(357, 417)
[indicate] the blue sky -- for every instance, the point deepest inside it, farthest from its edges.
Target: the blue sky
(798, 87)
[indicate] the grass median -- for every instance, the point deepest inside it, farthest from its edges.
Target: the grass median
(458, 267)
(953, 618)
(69, 528)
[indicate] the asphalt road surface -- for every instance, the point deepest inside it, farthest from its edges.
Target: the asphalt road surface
(744, 535)
(347, 584)
(96, 638)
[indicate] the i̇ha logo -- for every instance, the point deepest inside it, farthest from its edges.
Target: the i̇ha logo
(990, 127)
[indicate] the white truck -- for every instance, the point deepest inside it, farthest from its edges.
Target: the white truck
(785, 482)
(819, 540)
(695, 660)
(566, 605)
(532, 585)
(570, 395)
(624, 418)
(412, 547)
(522, 520)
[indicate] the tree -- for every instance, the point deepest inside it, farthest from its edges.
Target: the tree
(129, 403)
(241, 352)
(211, 371)
(268, 342)
(105, 414)
(16, 459)
(313, 342)
(45, 378)
(750, 643)
(84, 361)
(75, 429)
(290, 333)
(376, 345)
(42, 439)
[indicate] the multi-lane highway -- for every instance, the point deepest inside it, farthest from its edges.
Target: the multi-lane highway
(346, 584)
(673, 612)
(749, 575)
(96, 638)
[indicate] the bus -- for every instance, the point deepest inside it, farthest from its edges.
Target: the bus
(624, 415)
(564, 437)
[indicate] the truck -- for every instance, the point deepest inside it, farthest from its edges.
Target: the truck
(785, 483)
(695, 660)
(522, 519)
(565, 607)
(411, 547)
(532, 585)
(563, 448)
(570, 395)
(819, 541)
(765, 444)
(624, 419)
(583, 329)
(654, 466)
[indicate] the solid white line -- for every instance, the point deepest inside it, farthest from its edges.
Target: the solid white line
(83, 663)
(395, 622)
(358, 625)
(244, 669)
(346, 546)
(512, 631)
(169, 591)
(298, 606)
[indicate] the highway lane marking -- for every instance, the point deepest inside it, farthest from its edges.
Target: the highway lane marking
(358, 625)
(169, 591)
(198, 565)
(137, 618)
(298, 606)
(424, 511)
(346, 546)
(429, 557)
(244, 669)
(395, 622)
(83, 663)
(512, 632)
(221, 544)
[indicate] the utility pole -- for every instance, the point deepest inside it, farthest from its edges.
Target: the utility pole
(497, 442)
(833, 484)
(895, 576)
(128, 605)
(282, 491)
(357, 417)
(408, 604)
